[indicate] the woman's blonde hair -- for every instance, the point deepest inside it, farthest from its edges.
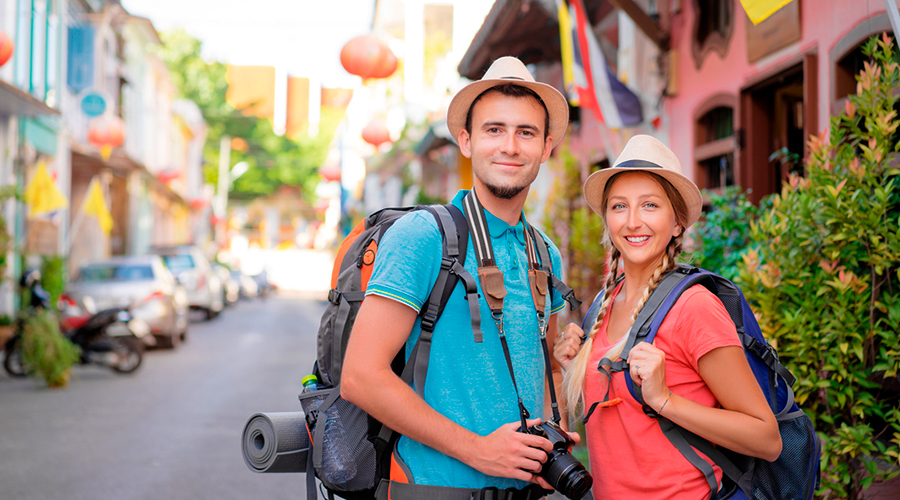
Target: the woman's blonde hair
(573, 378)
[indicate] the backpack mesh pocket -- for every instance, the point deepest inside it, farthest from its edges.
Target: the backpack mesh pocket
(793, 476)
(348, 457)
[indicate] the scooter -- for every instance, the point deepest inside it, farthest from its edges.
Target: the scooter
(111, 337)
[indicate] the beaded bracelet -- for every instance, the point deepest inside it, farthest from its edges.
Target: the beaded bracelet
(665, 403)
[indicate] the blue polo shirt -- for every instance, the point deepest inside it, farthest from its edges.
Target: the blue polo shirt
(467, 382)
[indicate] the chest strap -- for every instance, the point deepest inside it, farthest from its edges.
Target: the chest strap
(494, 288)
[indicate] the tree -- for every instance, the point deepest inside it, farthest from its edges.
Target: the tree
(273, 160)
(825, 278)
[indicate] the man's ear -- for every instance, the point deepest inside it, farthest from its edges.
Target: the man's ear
(548, 148)
(465, 147)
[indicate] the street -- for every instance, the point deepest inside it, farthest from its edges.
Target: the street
(173, 428)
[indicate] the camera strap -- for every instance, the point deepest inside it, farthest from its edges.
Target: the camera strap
(492, 284)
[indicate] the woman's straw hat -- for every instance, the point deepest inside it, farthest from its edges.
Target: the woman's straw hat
(645, 153)
(506, 70)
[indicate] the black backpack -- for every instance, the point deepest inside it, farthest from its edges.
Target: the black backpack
(795, 474)
(347, 445)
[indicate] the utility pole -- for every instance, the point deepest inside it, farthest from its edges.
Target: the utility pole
(221, 204)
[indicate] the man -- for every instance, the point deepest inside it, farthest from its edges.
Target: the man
(464, 433)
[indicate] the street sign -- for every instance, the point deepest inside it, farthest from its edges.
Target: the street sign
(93, 104)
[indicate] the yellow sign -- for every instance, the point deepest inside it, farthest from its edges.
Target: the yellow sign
(759, 10)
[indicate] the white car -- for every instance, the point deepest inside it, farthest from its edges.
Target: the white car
(192, 269)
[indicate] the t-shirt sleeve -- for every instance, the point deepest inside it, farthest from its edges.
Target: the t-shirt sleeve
(703, 323)
(407, 261)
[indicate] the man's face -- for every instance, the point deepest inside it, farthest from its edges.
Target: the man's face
(507, 144)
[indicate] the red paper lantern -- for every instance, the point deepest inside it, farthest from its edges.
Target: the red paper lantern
(106, 131)
(368, 56)
(376, 132)
(198, 203)
(168, 175)
(6, 48)
(330, 173)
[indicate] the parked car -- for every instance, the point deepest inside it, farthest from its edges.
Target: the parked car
(231, 289)
(249, 288)
(143, 283)
(192, 269)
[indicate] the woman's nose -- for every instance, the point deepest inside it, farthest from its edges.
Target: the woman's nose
(634, 219)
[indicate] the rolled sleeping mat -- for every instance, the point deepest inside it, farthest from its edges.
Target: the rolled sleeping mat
(276, 442)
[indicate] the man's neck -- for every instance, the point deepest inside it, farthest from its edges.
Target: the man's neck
(507, 210)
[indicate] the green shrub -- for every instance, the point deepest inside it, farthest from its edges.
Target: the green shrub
(576, 230)
(825, 278)
(46, 353)
(53, 277)
(723, 235)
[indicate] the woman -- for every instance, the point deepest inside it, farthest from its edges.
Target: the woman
(694, 374)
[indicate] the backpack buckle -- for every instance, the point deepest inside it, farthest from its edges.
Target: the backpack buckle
(493, 493)
(428, 321)
(311, 418)
(334, 297)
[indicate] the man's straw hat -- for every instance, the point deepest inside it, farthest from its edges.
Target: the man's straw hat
(506, 70)
(645, 153)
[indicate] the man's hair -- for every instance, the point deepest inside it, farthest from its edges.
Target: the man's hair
(511, 90)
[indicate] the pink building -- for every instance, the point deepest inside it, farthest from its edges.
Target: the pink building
(722, 93)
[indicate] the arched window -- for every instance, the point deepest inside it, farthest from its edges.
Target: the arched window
(713, 25)
(714, 143)
(847, 58)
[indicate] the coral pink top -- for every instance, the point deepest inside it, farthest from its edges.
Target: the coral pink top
(629, 455)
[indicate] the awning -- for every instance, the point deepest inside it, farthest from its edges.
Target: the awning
(17, 102)
(529, 30)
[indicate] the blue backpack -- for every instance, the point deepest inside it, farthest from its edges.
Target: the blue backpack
(795, 474)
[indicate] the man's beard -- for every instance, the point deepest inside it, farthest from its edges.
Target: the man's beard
(506, 192)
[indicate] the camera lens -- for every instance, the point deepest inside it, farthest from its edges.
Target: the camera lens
(566, 474)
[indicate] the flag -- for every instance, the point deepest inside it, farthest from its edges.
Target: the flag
(759, 10)
(41, 193)
(567, 53)
(95, 205)
(597, 85)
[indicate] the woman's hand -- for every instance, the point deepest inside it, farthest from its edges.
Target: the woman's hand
(648, 370)
(567, 345)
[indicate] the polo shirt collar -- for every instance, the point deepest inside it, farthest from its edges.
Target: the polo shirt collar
(496, 226)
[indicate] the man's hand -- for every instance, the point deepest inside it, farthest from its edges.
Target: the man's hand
(509, 453)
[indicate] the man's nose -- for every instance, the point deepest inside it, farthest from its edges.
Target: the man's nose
(510, 145)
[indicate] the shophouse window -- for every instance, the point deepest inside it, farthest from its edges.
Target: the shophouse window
(714, 144)
(713, 25)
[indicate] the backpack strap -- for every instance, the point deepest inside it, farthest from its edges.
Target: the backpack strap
(544, 253)
(455, 237)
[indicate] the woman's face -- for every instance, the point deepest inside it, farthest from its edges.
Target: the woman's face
(640, 219)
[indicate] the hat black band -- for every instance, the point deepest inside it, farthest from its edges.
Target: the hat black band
(638, 164)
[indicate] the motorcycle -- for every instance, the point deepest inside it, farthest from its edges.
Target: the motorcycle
(111, 337)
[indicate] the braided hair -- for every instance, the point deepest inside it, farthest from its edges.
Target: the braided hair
(573, 378)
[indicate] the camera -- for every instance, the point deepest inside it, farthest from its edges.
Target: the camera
(563, 471)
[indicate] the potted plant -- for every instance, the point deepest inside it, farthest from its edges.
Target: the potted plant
(46, 353)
